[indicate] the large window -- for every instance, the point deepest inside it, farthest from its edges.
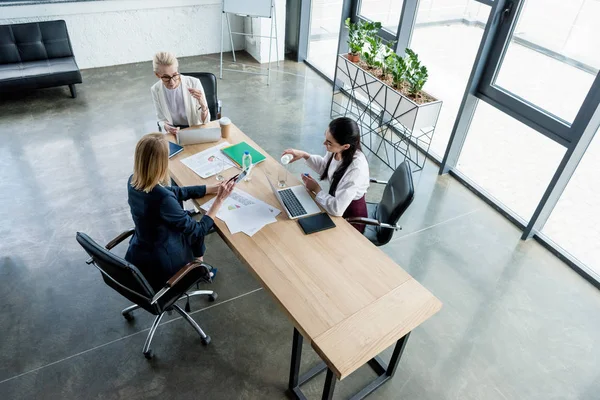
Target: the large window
(447, 40)
(324, 34)
(537, 65)
(575, 222)
(529, 99)
(509, 160)
(385, 11)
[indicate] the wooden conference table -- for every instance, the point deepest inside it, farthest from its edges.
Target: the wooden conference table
(344, 295)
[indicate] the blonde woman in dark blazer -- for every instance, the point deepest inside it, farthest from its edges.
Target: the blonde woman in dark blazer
(166, 237)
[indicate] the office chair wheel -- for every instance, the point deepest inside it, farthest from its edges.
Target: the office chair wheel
(128, 316)
(206, 340)
(213, 297)
(148, 354)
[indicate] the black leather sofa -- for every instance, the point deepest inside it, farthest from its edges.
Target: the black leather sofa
(37, 55)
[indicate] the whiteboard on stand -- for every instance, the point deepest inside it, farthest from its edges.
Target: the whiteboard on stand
(253, 8)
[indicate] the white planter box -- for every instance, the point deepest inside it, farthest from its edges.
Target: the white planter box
(415, 121)
(411, 115)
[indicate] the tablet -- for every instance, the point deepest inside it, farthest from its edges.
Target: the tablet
(316, 223)
(174, 148)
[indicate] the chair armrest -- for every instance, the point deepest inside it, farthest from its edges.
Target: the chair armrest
(363, 221)
(176, 278)
(119, 239)
(219, 109)
(388, 226)
(376, 181)
(182, 272)
(372, 221)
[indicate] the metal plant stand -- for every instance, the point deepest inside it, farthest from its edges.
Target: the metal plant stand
(393, 127)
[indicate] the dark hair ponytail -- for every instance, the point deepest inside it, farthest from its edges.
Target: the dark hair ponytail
(345, 131)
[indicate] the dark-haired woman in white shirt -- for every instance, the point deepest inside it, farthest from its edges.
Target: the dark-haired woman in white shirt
(344, 166)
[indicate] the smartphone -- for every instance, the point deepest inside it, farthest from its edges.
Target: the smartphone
(241, 176)
(238, 178)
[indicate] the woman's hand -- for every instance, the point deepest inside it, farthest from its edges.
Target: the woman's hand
(171, 129)
(311, 184)
(297, 154)
(224, 190)
(198, 95)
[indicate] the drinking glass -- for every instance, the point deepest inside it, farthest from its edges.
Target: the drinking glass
(282, 176)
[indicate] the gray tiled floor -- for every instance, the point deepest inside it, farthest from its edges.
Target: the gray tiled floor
(516, 322)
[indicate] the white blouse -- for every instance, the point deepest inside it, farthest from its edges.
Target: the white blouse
(352, 186)
(176, 105)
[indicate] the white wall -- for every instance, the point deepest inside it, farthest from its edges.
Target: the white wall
(259, 47)
(115, 32)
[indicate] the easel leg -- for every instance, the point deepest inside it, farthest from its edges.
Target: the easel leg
(221, 61)
(230, 36)
(276, 34)
(270, 48)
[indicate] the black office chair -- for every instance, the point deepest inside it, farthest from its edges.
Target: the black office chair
(130, 283)
(383, 217)
(209, 84)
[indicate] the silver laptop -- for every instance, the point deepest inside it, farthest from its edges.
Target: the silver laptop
(295, 200)
(198, 135)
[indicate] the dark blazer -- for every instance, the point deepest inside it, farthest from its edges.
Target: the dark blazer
(165, 234)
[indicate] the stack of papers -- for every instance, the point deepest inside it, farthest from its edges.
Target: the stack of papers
(209, 162)
(244, 213)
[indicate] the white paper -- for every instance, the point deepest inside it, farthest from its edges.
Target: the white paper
(208, 162)
(249, 219)
(244, 213)
(236, 200)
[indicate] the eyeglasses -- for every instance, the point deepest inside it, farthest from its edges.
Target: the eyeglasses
(167, 78)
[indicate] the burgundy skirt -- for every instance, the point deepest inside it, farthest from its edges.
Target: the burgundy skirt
(358, 208)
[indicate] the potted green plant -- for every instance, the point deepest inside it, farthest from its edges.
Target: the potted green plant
(387, 59)
(397, 68)
(356, 40)
(416, 74)
(372, 53)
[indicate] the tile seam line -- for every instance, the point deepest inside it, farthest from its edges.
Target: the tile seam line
(123, 338)
(435, 225)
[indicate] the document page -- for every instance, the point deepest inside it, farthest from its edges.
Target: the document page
(244, 213)
(249, 219)
(209, 162)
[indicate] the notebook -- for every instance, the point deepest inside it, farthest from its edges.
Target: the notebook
(236, 153)
(174, 149)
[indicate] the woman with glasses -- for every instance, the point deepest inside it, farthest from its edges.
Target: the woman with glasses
(179, 100)
(344, 166)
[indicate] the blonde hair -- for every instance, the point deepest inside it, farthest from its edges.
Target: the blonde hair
(164, 58)
(151, 164)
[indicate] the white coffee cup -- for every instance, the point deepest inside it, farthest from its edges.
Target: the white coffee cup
(225, 124)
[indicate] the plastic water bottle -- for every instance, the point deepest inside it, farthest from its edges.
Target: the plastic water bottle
(286, 158)
(246, 163)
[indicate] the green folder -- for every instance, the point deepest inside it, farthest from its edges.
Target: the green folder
(236, 153)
